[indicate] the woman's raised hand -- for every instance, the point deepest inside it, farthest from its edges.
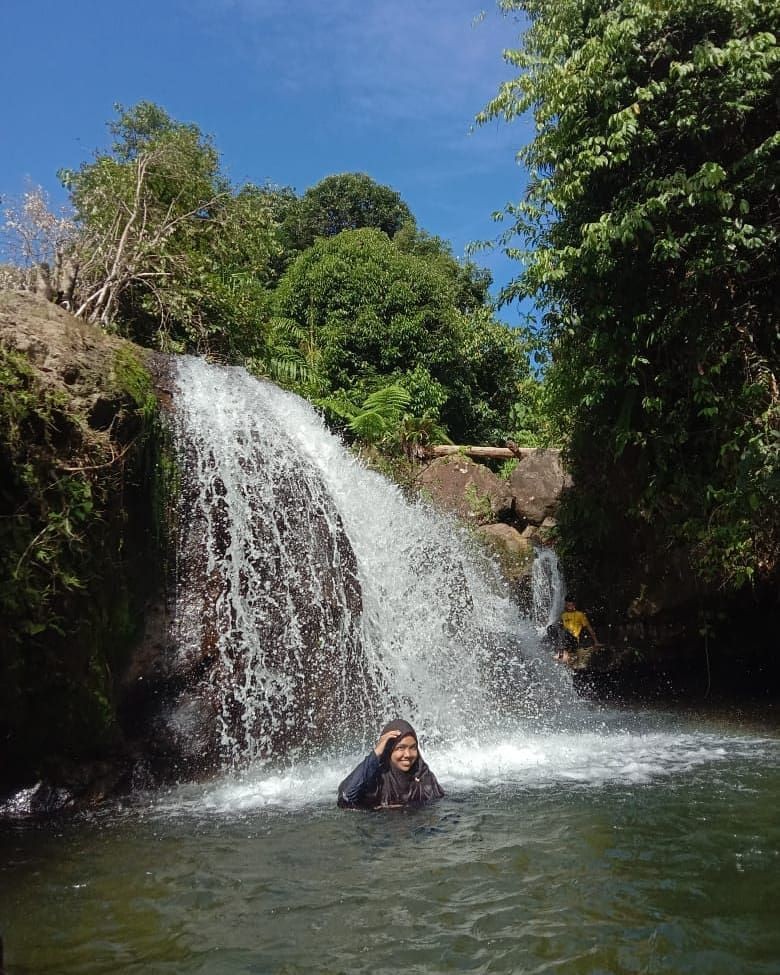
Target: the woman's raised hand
(387, 737)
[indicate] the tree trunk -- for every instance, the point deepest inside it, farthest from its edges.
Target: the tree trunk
(491, 453)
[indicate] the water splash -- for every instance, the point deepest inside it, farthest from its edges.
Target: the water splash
(548, 589)
(595, 754)
(318, 599)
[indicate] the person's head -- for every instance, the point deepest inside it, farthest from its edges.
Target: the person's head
(569, 604)
(403, 751)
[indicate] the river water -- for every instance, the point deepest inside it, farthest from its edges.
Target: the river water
(627, 843)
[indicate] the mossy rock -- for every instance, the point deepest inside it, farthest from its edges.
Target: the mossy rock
(79, 541)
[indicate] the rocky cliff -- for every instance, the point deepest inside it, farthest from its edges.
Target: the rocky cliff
(79, 540)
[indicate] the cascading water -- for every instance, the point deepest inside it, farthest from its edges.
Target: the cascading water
(317, 600)
(547, 587)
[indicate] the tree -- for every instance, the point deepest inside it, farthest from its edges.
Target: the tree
(31, 232)
(375, 310)
(142, 207)
(168, 252)
(36, 242)
(471, 283)
(344, 201)
(651, 242)
(380, 315)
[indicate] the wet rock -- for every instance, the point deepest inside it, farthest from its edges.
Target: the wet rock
(41, 799)
(515, 552)
(68, 789)
(536, 485)
(467, 489)
(265, 628)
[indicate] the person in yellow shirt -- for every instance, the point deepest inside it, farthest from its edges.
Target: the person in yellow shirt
(575, 632)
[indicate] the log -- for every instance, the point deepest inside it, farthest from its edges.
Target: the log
(491, 453)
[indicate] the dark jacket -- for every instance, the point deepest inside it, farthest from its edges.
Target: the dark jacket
(374, 785)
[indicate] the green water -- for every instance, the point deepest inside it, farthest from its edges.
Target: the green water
(652, 850)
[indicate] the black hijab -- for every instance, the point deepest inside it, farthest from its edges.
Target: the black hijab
(399, 788)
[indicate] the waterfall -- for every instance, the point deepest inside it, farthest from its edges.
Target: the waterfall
(548, 589)
(315, 601)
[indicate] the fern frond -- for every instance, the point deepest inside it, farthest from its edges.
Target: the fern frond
(389, 401)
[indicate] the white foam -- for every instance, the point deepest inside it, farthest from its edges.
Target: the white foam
(525, 760)
(588, 758)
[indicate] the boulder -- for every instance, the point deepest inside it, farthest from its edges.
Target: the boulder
(469, 490)
(536, 485)
(69, 355)
(515, 552)
(540, 534)
(248, 654)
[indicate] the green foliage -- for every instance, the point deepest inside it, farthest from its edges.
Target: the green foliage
(533, 419)
(133, 378)
(470, 283)
(67, 608)
(380, 414)
(43, 537)
(494, 365)
(379, 315)
(335, 290)
(168, 253)
(345, 201)
(384, 420)
(173, 257)
(479, 505)
(650, 227)
(291, 357)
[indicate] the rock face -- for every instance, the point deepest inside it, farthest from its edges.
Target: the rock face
(513, 516)
(267, 580)
(77, 548)
(261, 654)
(469, 490)
(515, 551)
(68, 355)
(536, 485)
(529, 498)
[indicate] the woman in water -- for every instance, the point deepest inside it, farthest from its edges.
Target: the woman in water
(392, 775)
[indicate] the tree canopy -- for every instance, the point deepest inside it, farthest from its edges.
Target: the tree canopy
(167, 250)
(379, 314)
(336, 293)
(344, 201)
(650, 240)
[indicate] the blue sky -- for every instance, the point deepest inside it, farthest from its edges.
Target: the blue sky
(290, 90)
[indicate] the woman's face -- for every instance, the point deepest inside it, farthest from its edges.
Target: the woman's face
(404, 755)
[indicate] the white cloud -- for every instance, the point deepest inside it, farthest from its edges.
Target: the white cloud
(411, 60)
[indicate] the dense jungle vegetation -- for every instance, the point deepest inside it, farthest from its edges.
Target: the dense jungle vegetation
(649, 240)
